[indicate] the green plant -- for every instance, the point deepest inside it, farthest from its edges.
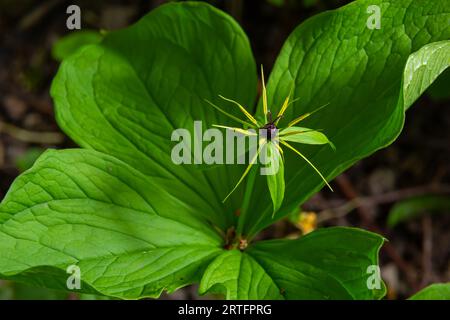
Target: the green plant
(67, 45)
(137, 224)
(270, 136)
(414, 207)
(436, 291)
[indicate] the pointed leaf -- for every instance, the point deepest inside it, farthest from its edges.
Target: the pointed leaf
(69, 44)
(422, 68)
(275, 181)
(237, 275)
(331, 263)
(304, 135)
(264, 95)
(436, 291)
(411, 208)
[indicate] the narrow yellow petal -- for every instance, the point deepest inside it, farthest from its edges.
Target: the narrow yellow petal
(286, 104)
(306, 115)
(247, 170)
(280, 150)
(284, 107)
(297, 120)
(244, 111)
(306, 159)
(240, 130)
(264, 94)
(229, 115)
(280, 116)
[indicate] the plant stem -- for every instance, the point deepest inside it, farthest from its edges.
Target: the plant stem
(247, 197)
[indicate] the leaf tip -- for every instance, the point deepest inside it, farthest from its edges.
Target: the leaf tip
(332, 145)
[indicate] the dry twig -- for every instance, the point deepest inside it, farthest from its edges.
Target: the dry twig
(31, 136)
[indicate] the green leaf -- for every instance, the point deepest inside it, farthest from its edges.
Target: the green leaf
(414, 207)
(237, 275)
(437, 291)
(422, 68)
(126, 95)
(70, 43)
(275, 180)
(304, 135)
(334, 58)
(329, 263)
(123, 229)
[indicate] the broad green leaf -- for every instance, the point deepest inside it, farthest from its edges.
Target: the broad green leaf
(70, 43)
(127, 233)
(331, 263)
(335, 58)
(437, 291)
(304, 135)
(237, 275)
(413, 207)
(275, 180)
(422, 68)
(126, 95)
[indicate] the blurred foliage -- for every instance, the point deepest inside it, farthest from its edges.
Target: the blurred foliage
(10, 290)
(277, 3)
(26, 161)
(70, 43)
(414, 207)
(18, 291)
(305, 3)
(437, 291)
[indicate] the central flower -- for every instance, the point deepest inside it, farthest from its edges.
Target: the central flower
(271, 128)
(271, 131)
(274, 136)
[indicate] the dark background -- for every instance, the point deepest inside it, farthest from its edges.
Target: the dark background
(418, 163)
